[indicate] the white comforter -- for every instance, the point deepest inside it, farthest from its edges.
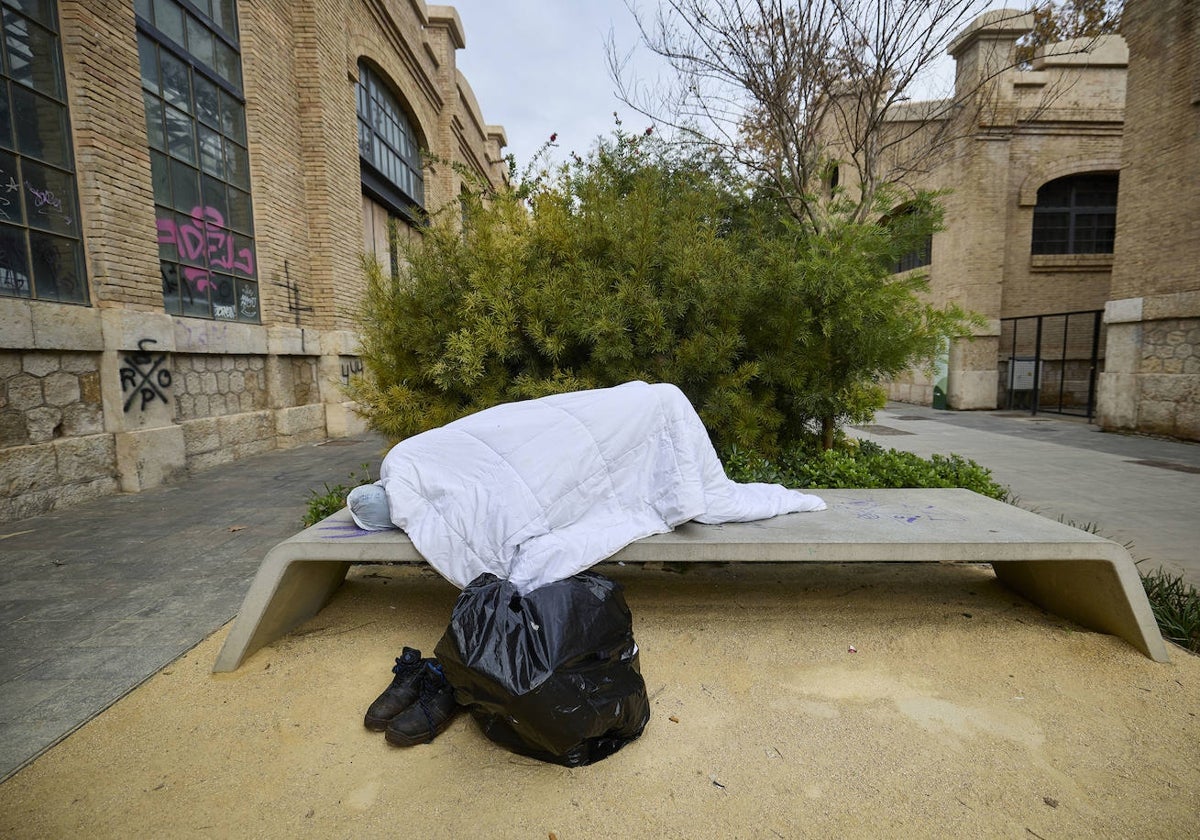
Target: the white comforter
(537, 491)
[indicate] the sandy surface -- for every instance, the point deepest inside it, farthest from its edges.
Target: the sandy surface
(966, 712)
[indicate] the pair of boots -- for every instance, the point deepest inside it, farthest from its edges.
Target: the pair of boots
(417, 706)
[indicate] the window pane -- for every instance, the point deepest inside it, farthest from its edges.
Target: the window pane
(1054, 194)
(240, 217)
(208, 103)
(364, 140)
(218, 244)
(175, 86)
(10, 190)
(160, 173)
(181, 137)
(33, 58)
(144, 9)
(247, 294)
(168, 234)
(233, 118)
(213, 191)
(155, 133)
(196, 283)
(200, 42)
(225, 17)
(190, 238)
(227, 65)
(212, 160)
(185, 186)
(237, 165)
(57, 273)
(40, 10)
(224, 300)
(41, 126)
(6, 139)
(172, 285)
(243, 256)
(14, 263)
(168, 17)
(49, 199)
(148, 57)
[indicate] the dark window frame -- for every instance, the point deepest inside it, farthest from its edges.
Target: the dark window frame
(387, 161)
(40, 225)
(200, 162)
(1068, 218)
(918, 257)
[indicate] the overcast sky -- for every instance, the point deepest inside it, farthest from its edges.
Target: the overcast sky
(539, 67)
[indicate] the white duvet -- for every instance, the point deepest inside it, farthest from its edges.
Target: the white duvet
(537, 491)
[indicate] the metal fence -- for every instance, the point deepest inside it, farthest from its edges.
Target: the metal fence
(1051, 363)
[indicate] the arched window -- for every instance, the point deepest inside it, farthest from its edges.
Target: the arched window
(389, 152)
(1076, 215)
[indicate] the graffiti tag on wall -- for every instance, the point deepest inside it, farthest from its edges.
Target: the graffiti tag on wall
(143, 376)
(350, 367)
(203, 238)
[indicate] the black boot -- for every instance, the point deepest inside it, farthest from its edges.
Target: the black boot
(398, 696)
(429, 715)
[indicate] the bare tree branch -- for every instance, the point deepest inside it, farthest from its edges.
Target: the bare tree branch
(787, 89)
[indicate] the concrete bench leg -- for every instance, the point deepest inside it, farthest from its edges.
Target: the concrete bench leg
(1103, 595)
(283, 596)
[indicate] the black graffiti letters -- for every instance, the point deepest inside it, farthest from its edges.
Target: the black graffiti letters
(143, 376)
(350, 368)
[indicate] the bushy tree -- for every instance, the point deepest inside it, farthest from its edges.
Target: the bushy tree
(848, 320)
(626, 264)
(639, 261)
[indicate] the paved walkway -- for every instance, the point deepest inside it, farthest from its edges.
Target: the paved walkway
(97, 598)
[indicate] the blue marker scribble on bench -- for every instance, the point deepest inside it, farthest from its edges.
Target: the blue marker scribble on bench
(869, 509)
(349, 532)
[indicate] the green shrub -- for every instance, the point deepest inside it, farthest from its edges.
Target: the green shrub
(861, 464)
(645, 261)
(1176, 606)
(329, 500)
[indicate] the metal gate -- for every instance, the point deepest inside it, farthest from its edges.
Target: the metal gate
(1051, 362)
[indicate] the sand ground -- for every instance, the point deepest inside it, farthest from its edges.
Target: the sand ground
(965, 712)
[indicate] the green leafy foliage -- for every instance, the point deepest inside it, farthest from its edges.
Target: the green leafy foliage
(645, 261)
(329, 500)
(1176, 606)
(861, 464)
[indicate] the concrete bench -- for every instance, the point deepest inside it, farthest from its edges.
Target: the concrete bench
(1070, 572)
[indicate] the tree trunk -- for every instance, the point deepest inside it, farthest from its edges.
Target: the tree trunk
(828, 427)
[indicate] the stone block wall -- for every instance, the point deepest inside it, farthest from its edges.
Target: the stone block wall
(52, 446)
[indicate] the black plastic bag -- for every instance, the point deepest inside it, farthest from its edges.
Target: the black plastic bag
(553, 674)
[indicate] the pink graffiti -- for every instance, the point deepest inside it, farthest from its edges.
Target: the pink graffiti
(204, 236)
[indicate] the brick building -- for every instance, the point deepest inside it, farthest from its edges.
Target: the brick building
(1151, 382)
(1070, 223)
(1031, 173)
(186, 191)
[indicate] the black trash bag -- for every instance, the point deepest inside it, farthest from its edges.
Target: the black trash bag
(553, 674)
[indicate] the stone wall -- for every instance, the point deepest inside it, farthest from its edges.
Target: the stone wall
(52, 446)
